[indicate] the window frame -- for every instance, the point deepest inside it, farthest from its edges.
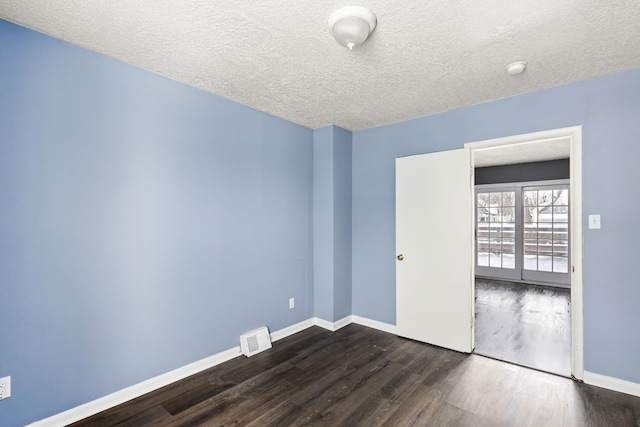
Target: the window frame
(519, 274)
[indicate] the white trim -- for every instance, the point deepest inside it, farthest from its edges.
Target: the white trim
(293, 329)
(574, 133)
(612, 383)
(575, 195)
(114, 399)
(332, 326)
(472, 263)
(119, 397)
(325, 324)
(381, 326)
(342, 322)
(374, 324)
(545, 135)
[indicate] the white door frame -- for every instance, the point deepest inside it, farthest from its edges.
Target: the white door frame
(575, 140)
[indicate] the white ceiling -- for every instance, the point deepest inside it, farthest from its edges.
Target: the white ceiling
(524, 152)
(278, 56)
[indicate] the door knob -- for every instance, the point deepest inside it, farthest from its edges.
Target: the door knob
(400, 257)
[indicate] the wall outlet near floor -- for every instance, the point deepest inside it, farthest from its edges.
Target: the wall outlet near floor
(5, 387)
(292, 302)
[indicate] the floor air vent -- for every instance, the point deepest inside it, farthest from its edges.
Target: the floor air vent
(255, 341)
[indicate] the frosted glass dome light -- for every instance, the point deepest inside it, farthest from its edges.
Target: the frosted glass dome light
(352, 25)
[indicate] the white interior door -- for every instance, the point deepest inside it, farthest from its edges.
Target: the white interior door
(434, 270)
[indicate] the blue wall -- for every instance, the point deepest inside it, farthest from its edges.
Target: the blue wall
(323, 222)
(608, 108)
(332, 222)
(342, 190)
(144, 224)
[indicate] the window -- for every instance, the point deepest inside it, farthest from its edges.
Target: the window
(496, 229)
(546, 235)
(522, 232)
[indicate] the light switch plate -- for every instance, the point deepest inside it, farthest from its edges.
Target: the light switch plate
(5, 387)
(594, 221)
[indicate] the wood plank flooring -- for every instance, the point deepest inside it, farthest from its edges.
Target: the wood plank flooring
(524, 324)
(359, 376)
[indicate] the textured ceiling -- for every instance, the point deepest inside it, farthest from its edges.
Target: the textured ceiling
(278, 56)
(524, 152)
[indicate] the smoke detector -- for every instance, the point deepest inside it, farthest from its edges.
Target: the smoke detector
(352, 25)
(516, 67)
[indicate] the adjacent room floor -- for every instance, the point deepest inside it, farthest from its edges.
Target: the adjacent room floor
(524, 324)
(359, 376)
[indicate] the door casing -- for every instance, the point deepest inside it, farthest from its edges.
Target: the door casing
(576, 234)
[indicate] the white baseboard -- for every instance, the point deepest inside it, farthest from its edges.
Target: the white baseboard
(333, 326)
(611, 383)
(119, 397)
(114, 399)
(381, 326)
(293, 329)
(342, 323)
(325, 324)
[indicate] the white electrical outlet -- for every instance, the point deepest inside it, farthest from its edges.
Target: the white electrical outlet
(5, 387)
(292, 302)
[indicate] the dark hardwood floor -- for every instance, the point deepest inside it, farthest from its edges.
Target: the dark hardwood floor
(524, 324)
(358, 376)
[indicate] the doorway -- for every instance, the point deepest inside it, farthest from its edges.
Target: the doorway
(434, 294)
(511, 294)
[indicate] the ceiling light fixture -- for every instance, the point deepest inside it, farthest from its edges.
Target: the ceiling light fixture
(352, 25)
(516, 67)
